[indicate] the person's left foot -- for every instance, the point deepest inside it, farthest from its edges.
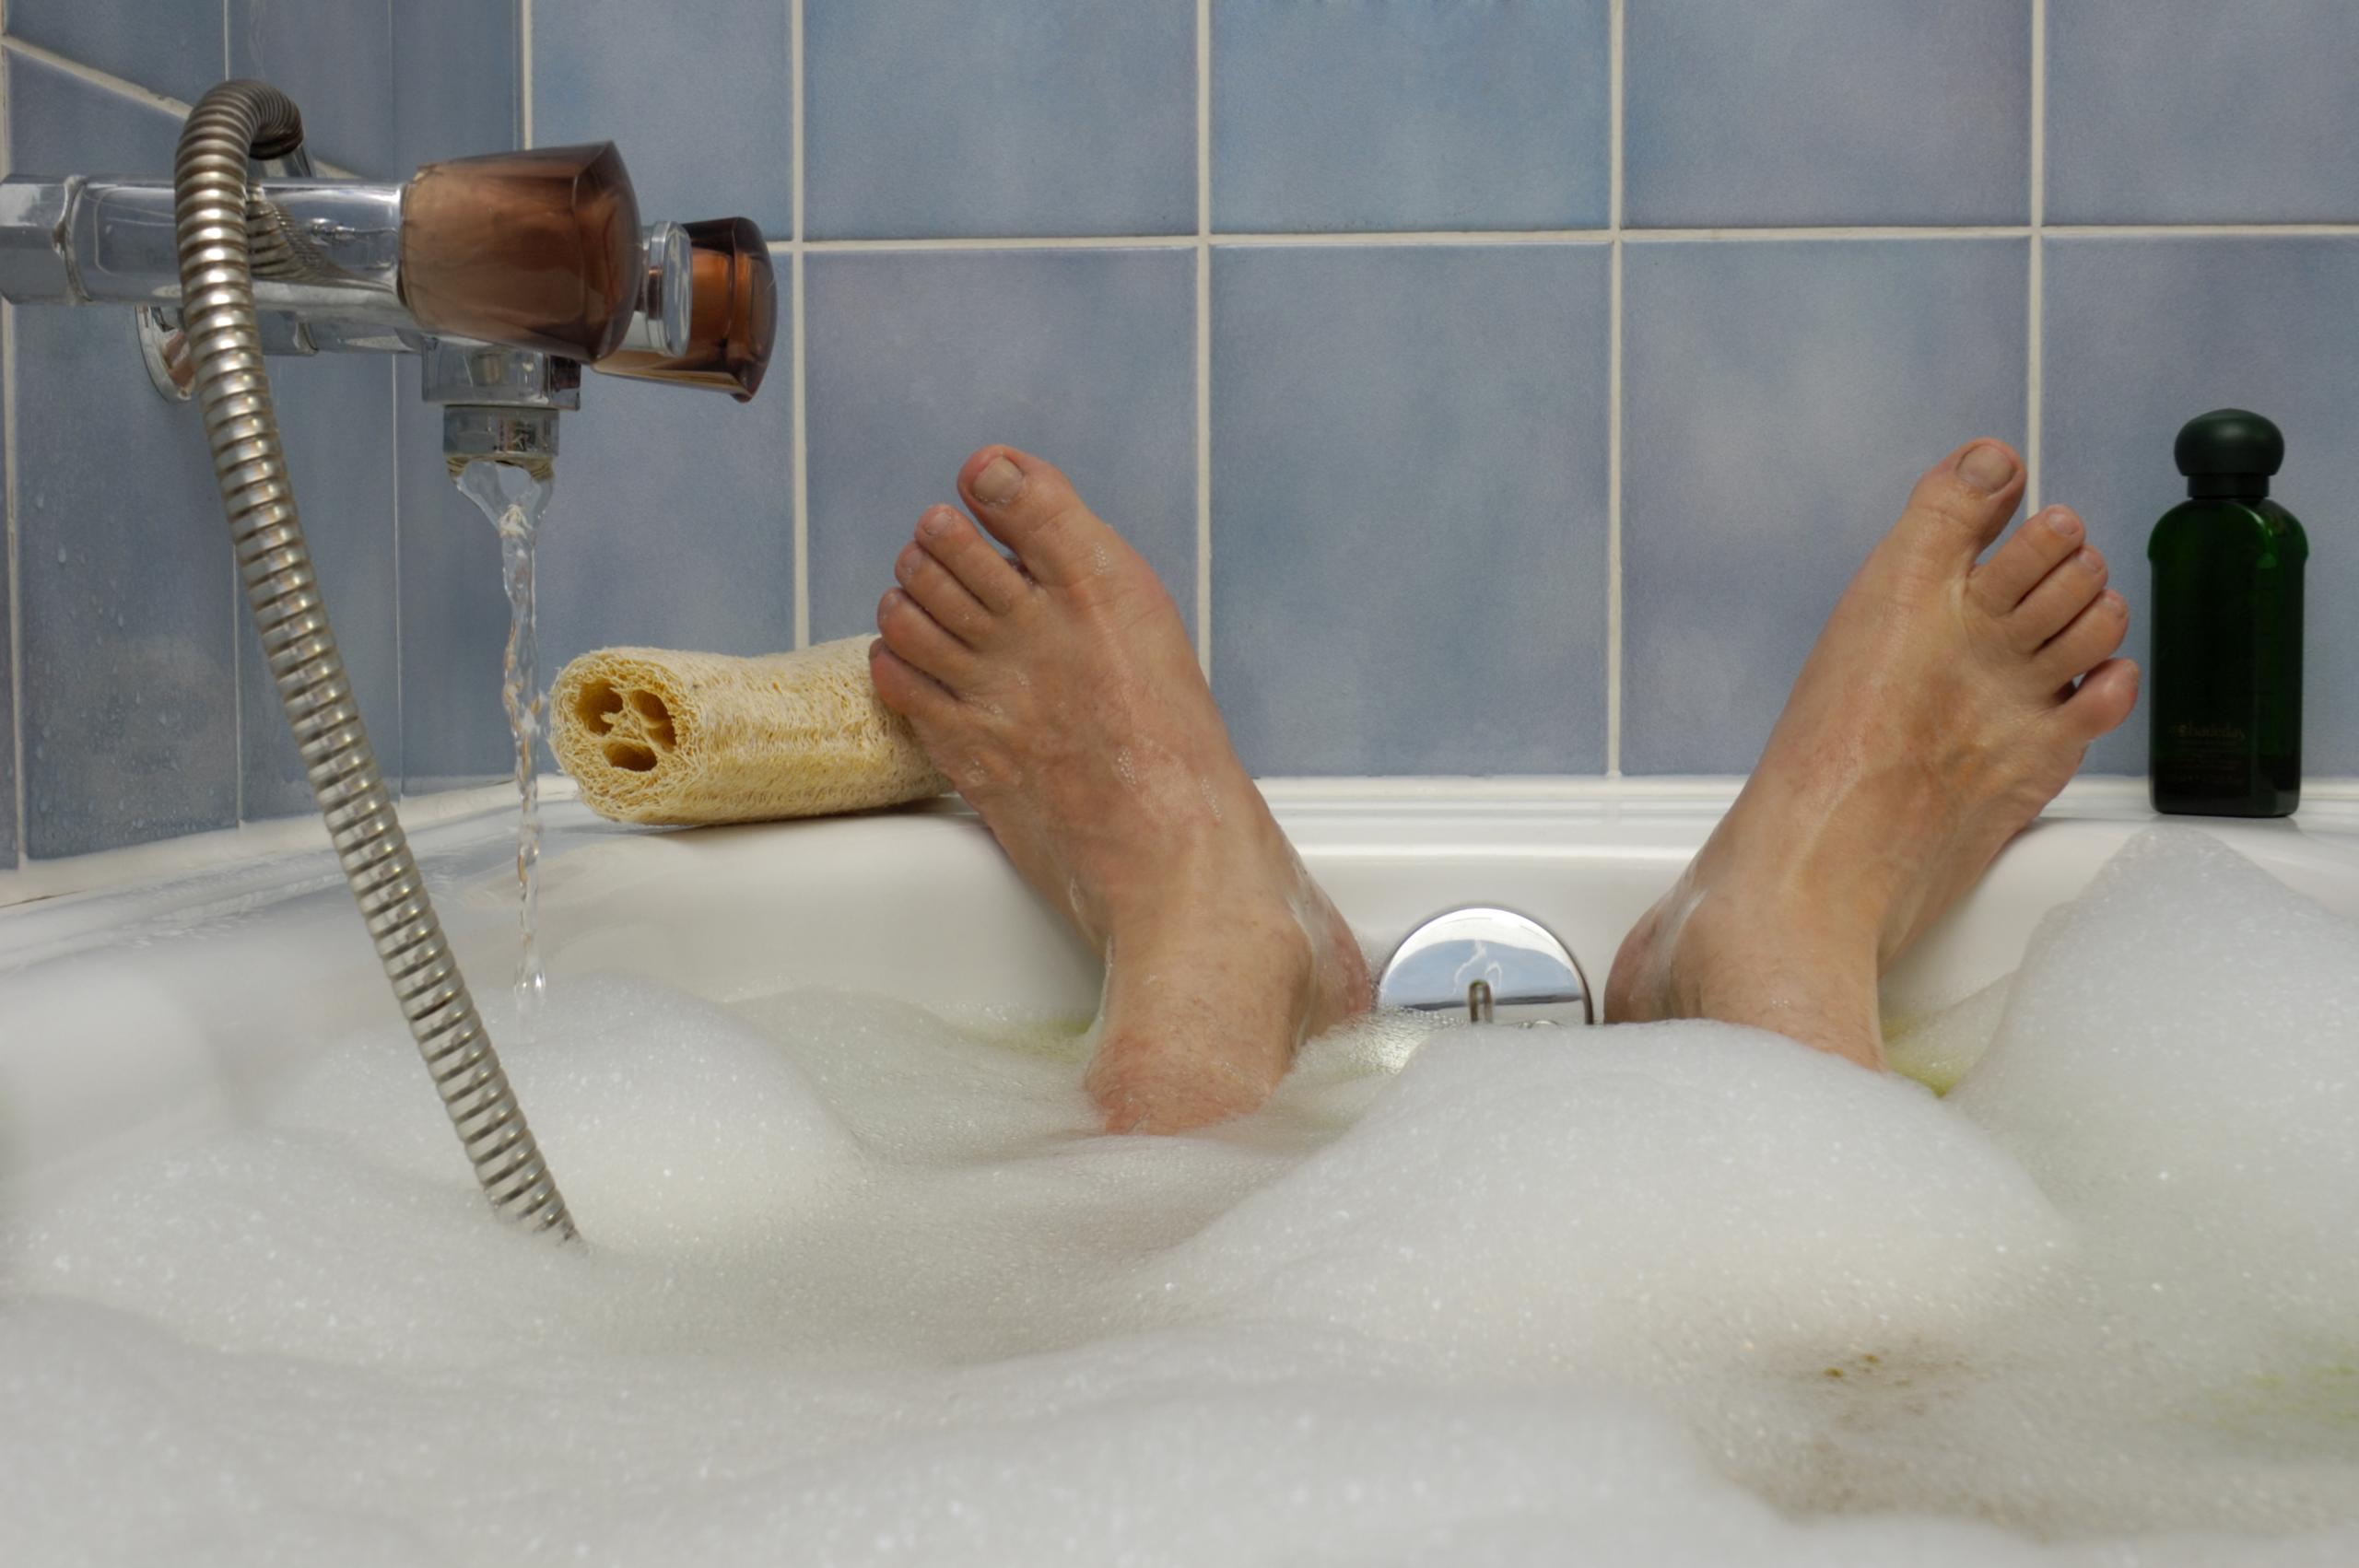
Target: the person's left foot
(1946, 703)
(1064, 700)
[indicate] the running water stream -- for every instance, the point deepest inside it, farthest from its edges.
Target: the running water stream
(514, 500)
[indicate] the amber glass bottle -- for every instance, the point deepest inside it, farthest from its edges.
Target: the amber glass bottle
(2224, 682)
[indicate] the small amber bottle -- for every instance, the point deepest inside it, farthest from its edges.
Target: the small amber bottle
(2224, 683)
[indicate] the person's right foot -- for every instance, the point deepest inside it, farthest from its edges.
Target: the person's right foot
(1061, 696)
(1946, 703)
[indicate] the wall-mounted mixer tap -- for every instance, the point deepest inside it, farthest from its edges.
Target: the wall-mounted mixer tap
(508, 273)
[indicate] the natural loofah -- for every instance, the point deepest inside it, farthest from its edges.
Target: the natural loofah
(657, 736)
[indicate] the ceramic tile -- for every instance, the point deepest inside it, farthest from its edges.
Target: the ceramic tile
(701, 107)
(1085, 358)
(1409, 507)
(454, 613)
(173, 47)
(942, 117)
(673, 525)
(2192, 112)
(2143, 336)
(335, 59)
(130, 718)
(1397, 114)
(454, 81)
(1792, 113)
(335, 418)
(1779, 400)
(10, 829)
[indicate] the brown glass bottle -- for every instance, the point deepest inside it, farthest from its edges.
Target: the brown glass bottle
(2225, 679)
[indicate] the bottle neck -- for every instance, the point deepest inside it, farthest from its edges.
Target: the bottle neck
(2227, 486)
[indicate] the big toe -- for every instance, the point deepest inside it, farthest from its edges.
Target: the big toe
(1031, 507)
(1964, 500)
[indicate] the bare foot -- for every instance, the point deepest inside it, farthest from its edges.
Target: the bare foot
(1943, 706)
(1065, 703)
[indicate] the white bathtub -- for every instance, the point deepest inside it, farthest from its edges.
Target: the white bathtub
(156, 1010)
(160, 1006)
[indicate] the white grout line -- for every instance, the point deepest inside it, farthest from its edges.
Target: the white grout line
(1205, 336)
(401, 695)
(1846, 231)
(98, 78)
(1023, 242)
(1578, 237)
(801, 413)
(2034, 310)
(8, 407)
(1613, 403)
(2198, 230)
(525, 73)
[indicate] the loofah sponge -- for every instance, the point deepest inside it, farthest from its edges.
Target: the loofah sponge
(656, 736)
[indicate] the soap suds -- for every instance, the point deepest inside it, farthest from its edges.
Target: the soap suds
(859, 1285)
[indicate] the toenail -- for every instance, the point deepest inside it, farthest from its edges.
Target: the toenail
(2090, 561)
(1987, 468)
(936, 523)
(999, 483)
(2065, 524)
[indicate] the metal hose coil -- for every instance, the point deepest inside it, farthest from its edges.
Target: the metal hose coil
(231, 123)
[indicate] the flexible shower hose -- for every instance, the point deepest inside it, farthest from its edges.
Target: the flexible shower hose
(235, 121)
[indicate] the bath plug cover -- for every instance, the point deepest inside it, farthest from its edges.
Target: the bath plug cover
(656, 736)
(2230, 443)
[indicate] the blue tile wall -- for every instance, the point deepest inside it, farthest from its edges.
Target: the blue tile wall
(1782, 113)
(2143, 334)
(2192, 112)
(1410, 443)
(145, 709)
(1402, 114)
(453, 614)
(946, 117)
(673, 524)
(699, 101)
(173, 47)
(130, 692)
(1779, 400)
(334, 58)
(1087, 357)
(8, 815)
(1409, 507)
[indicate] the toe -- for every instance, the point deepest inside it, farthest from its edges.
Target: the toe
(2108, 693)
(1966, 497)
(1031, 508)
(906, 689)
(921, 641)
(2062, 594)
(980, 569)
(2095, 633)
(2016, 567)
(929, 582)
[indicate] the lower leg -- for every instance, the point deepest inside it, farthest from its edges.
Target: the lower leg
(1060, 693)
(1944, 705)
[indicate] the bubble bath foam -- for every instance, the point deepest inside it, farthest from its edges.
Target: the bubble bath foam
(859, 1284)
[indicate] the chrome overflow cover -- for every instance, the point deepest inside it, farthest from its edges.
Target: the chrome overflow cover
(1487, 965)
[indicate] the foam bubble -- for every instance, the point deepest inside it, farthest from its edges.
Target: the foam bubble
(859, 1285)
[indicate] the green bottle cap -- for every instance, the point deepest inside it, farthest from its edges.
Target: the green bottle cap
(2229, 452)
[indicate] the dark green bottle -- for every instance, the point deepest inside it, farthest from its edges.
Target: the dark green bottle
(2225, 683)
